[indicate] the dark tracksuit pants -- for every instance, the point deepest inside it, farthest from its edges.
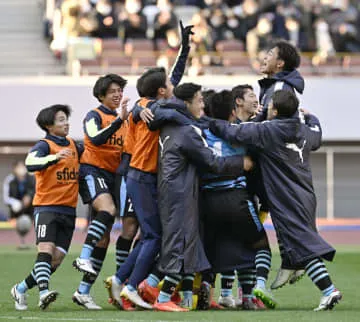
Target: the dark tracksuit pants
(142, 190)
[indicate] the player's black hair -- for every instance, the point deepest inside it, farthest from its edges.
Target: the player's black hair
(285, 102)
(186, 91)
(207, 95)
(221, 105)
(239, 92)
(150, 81)
(289, 54)
(46, 116)
(103, 83)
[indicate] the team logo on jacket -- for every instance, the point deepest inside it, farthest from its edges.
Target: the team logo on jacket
(67, 174)
(114, 140)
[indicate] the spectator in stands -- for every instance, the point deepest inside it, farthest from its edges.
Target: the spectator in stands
(18, 193)
(165, 20)
(217, 22)
(248, 14)
(108, 24)
(133, 21)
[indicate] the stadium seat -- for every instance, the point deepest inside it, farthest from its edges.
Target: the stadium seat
(112, 43)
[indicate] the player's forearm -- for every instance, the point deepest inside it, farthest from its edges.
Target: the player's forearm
(35, 163)
(100, 136)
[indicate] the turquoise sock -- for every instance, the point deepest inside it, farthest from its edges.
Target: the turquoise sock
(131, 288)
(86, 252)
(84, 288)
(187, 295)
(260, 283)
(22, 287)
(226, 292)
(328, 290)
(164, 297)
(153, 280)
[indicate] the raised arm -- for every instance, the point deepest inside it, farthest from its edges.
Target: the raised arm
(178, 69)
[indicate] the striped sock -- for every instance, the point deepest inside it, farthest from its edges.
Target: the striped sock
(102, 222)
(318, 273)
(97, 260)
(227, 281)
(262, 264)
(122, 251)
(247, 280)
(169, 286)
(42, 271)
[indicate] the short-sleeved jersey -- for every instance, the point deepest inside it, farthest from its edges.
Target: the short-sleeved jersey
(146, 144)
(58, 184)
(106, 156)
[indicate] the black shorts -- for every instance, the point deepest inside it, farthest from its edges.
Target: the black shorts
(233, 212)
(95, 183)
(55, 228)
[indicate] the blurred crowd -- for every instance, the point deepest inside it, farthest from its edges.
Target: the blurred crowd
(324, 27)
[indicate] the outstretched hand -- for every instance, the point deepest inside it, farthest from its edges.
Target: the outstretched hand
(185, 33)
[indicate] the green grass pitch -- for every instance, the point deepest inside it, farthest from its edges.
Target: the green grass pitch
(295, 302)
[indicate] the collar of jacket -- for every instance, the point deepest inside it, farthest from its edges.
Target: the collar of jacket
(178, 105)
(59, 140)
(107, 110)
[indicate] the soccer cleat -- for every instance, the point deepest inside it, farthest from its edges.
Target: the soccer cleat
(204, 297)
(328, 302)
(19, 298)
(169, 307)
(114, 289)
(84, 266)
(265, 296)
(86, 301)
(282, 277)
(239, 299)
(127, 305)
(252, 304)
(227, 301)
(134, 297)
(148, 293)
(47, 298)
(297, 276)
(215, 306)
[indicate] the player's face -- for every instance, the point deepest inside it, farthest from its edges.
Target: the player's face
(196, 107)
(250, 102)
(270, 63)
(60, 126)
(113, 96)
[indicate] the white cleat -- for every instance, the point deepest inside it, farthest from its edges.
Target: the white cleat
(19, 298)
(227, 301)
(283, 276)
(47, 298)
(114, 289)
(297, 276)
(134, 297)
(84, 266)
(328, 302)
(86, 301)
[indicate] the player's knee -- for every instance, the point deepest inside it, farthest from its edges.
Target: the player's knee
(130, 227)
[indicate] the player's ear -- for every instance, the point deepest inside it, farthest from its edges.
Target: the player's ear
(280, 63)
(239, 101)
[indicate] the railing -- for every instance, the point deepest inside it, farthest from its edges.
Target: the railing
(329, 152)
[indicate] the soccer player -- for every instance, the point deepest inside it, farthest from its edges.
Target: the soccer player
(103, 142)
(234, 236)
(141, 183)
(246, 105)
(285, 145)
(55, 162)
(280, 67)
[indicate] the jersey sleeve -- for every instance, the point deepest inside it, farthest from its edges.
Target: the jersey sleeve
(39, 157)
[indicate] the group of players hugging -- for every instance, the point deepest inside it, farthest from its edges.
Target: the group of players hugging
(197, 173)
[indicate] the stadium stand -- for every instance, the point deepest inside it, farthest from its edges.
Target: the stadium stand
(326, 32)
